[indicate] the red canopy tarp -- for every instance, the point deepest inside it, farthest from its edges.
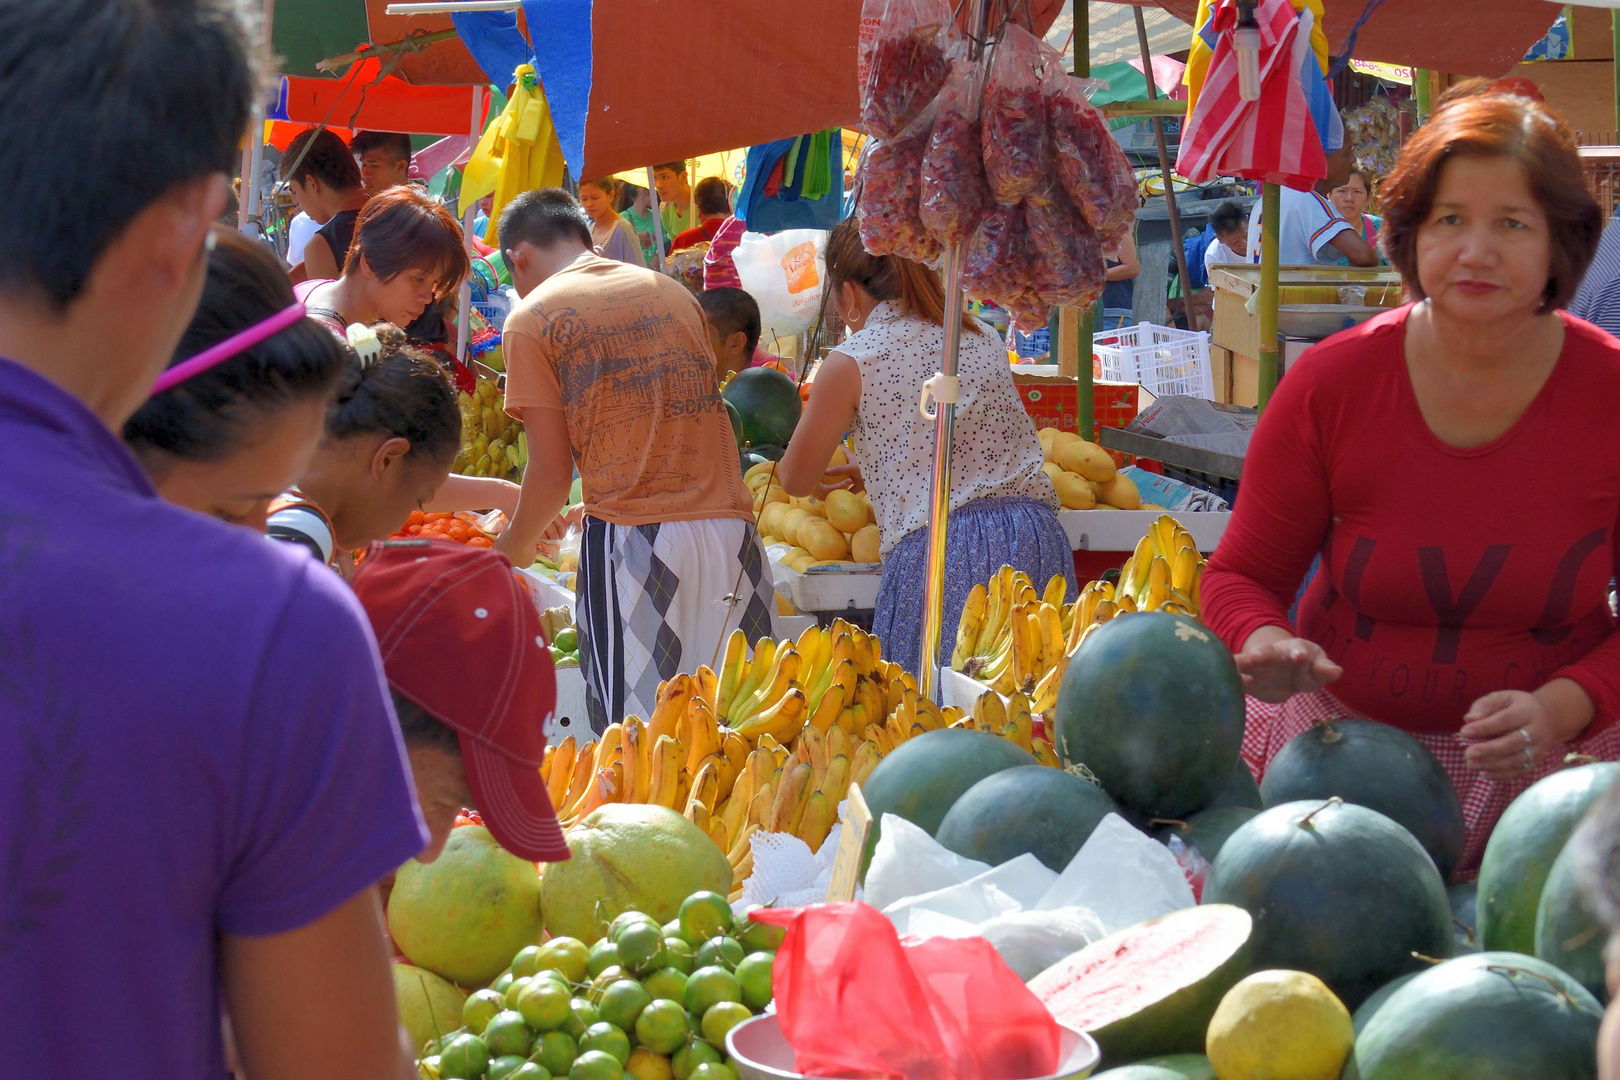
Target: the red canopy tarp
(358, 100)
(1462, 37)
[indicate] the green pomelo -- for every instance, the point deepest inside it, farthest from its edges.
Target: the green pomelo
(767, 402)
(1336, 890)
(1153, 706)
(1379, 767)
(1208, 830)
(468, 912)
(429, 1007)
(1030, 809)
(1151, 988)
(1522, 849)
(1486, 1016)
(1568, 935)
(629, 858)
(923, 777)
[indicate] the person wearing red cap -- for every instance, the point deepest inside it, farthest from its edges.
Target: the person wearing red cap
(473, 685)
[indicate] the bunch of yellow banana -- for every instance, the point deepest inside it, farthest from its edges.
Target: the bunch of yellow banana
(1164, 572)
(492, 443)
(1009, 636)
(1011, 718)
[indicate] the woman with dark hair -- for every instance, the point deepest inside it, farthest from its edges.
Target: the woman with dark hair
(1352, 201)
(1002, 504)
(229, 440)
(1486, 635)
(610, 232)
(713, 201)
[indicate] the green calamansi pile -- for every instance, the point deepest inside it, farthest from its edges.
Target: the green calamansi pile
(646, 1001)
(558, 624)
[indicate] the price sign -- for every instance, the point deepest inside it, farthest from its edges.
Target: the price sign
(846, 871)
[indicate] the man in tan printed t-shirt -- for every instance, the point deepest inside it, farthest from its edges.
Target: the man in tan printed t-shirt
(609, 366)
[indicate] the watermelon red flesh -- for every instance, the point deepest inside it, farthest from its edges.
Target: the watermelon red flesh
(1151, 988)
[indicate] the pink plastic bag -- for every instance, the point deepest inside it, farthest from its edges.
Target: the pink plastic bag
(906, 48)
(888, 210)
(1017, 144)
(954, 192)
(854, 1001)
(1095, 172)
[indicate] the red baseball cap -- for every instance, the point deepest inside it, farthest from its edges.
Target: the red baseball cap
(460, 636)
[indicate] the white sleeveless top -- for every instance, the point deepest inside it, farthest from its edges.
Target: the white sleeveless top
(996, 451)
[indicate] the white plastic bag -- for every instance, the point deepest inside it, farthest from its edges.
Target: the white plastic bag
(785, 274)
(908, 862)
(1123, 876)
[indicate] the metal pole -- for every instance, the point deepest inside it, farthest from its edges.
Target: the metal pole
(1085, 391)
(247, 203)
(658, 221)
(933, 621)
(1270, 211)
(1420, 92)
(475, 128)
(1164, 168)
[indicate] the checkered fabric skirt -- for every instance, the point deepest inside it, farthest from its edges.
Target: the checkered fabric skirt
(654, 600)
(1269, 727)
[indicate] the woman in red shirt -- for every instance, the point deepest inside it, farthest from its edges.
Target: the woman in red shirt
(1456, 465)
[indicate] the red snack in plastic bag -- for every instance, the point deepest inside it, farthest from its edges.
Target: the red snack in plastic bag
(888, 209)
(1094, 170)
(1017, 144)
(904, 62)
(995, 260)
(954, 192)
(1066, 256)
(853, 1000)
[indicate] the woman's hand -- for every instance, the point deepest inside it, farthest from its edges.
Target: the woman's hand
(841, 478)
(1512, 730)
(1275, 665)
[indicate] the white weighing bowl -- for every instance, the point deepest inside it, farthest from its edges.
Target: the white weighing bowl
(762, 1053)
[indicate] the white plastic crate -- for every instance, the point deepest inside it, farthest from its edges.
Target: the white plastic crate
(1166, 361)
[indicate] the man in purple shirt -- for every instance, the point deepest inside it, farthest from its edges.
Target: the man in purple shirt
(201, 779)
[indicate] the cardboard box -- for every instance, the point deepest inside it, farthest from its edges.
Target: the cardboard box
(1054, 401)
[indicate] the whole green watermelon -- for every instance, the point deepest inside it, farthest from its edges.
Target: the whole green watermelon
(1336, 890)
(1241, 790)
(1031, 809)
(1521, 850)
(1208, 830)
(1153, 706)
(922, 779)
(1464, 900)
(1379, 767)
(1370, 1007)
(768, 403)
(1486, 1016)
(1568, 935)
(1169, 1067)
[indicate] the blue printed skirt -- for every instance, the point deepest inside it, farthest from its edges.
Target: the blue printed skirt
(981, 537)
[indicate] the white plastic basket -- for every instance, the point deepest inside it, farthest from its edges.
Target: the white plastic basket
(1166, 361)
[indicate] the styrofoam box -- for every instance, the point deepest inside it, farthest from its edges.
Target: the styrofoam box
(1121, 530)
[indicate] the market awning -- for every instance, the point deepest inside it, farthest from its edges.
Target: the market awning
(1113, 32)
(1476, 37)
(306, 32)
(360, 101)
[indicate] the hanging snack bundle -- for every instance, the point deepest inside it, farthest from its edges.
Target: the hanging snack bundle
(995, 260)
(1017, 143)
(905, 57)
(1094, 170)
(954, 192)
(1066, 255)
(888, 209)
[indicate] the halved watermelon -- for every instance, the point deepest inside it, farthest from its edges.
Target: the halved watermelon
(1151, 988)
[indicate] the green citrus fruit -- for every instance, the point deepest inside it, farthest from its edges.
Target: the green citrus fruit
(526, 962)
(567, 955)
(646, 1065)
(754, 976)
(505, 1066)
(595, 1065)
(662, 1027)
(678, 955)
(583, 1014)
(507, 1034)
(722, 1018)
(696, 1052)
(712, 1071)
(530, 1071)
(622, 1003)
(515, 991)
(544, 1005)
(624, 919)
(666, 983)
(480, 1009)
(500, 984)
(709, 986)
(704, 915)
(672, 928)
(608, 977)
(608, 1038)
(554, 1051)
(758, 936)
(638, 943)
(604, 954)
(466, 1058)
(720, 951)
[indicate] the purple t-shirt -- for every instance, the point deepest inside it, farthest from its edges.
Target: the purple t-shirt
(195, 739)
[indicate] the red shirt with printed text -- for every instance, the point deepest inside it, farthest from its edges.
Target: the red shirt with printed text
(1447, 573)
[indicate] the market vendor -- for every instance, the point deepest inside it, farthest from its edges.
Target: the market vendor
(407, 253)
(1351, 201)
(1310, 230)
(1002, 507)
(1454, 463)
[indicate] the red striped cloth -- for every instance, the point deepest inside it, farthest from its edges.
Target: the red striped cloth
(1273, 139)
(1269, 727)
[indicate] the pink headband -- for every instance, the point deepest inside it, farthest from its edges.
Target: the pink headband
(237, 343)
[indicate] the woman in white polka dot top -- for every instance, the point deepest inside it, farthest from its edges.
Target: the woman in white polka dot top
(1003, 508)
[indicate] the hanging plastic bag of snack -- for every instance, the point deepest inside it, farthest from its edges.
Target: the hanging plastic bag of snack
(1095, 172)
(888, 209)
(1017, 144)
(995, 261)
(954, 193)
(906, 49)
(1066, 254)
